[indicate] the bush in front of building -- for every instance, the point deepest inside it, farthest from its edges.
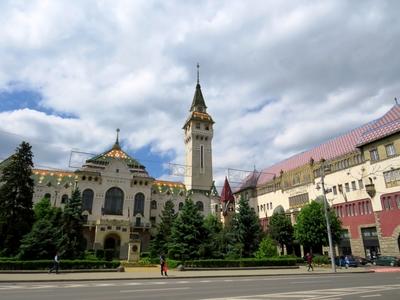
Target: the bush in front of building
(321, 260)
(100, 253)
(64, 264)
(237, 263)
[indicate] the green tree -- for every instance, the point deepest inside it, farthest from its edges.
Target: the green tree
(213, 242)
(72, 243)
(41, 242)
(187, 233)
(310, 229)
(16, 191)
(267, 248)
(281, 230)
(246, 230)
(159, 244)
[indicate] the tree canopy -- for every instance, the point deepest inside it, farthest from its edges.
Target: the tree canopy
(281, 229)
(246, 230)
(159, 244)
(310, 229)
(187, 233)
(72, 243)
(16, 191)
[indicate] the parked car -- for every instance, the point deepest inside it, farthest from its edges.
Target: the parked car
(387, 261)
(352, 262)
(361, 260)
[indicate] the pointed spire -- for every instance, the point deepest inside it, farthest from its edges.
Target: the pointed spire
(226, 193)
(395, 100)
(198, 103)
(116, 145)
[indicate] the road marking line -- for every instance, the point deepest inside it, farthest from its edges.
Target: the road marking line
(368, 296)
(75, 285)
(152, 290)
(12, 287)
(182, 282)
(104, 284)
(41, 287)
(205, 281)
(160, 282)
(133, 283)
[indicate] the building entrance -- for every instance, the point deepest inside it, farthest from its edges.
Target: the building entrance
(112, 244)
(371, 242)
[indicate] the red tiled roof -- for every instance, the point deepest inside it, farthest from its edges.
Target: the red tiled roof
(346, 143)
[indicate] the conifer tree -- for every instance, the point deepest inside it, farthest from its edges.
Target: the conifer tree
(16, 191)
(72, 242)
(187, 233)
(246, 230)
(159, 244)
(41, 241)
(213, 242)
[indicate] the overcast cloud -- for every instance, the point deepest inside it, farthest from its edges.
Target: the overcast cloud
(278, 77)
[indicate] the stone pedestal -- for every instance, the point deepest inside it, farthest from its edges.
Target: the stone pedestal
(134, 251)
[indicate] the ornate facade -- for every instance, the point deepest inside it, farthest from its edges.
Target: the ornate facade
(362, 181)
(121, 202)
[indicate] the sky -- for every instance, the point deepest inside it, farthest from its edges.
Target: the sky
(278, 77)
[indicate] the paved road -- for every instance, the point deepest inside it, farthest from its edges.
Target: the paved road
(385, 286)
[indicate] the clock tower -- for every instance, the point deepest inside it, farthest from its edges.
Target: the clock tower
(198, 137)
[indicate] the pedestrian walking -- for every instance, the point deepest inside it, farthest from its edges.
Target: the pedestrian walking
(163, 265)
(56, 264)
(309, 262)
(346, 262)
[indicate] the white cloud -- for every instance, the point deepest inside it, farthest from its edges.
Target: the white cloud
(278, 77)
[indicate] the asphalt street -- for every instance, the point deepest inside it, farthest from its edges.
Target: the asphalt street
(385, 286)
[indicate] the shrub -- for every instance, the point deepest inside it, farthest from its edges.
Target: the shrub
(64, 264)
(244, 262)
(145, 254)
(321, 260)
(267, 248)
(100, 253)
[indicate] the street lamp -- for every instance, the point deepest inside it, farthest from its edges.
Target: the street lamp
(328, 224)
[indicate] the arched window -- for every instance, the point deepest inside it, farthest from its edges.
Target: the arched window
(47, 196)
(87, 200)
(114, 201)
(138, 207)
(154, 204)
(180, 205)
(200, 205)
(64, 199)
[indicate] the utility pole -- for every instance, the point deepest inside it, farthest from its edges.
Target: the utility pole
(328, 223)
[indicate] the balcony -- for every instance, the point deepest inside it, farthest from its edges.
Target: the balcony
(146, 225)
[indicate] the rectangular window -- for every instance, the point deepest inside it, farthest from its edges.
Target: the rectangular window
(340, 188)
(335, 190)
(201, 156)
(347, 187)
(374, 155)
(353, 185)
(397, 197)
(197, 125)
(390, 150)
(360, 184)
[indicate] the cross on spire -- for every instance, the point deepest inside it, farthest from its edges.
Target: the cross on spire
(117, 141)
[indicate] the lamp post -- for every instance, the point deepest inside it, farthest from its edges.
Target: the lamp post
(328, 224)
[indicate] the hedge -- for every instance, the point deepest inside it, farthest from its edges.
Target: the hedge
(64, 264)
(244, 262)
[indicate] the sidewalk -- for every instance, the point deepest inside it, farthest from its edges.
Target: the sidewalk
(154, 273)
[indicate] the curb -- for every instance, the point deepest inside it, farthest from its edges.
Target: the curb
(181, 277)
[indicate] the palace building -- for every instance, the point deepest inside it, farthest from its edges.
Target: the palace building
(362, 182)
(121, 202)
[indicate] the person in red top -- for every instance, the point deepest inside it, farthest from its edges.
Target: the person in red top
(309, 262)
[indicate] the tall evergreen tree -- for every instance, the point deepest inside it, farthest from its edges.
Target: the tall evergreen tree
(187, 233)
(41, 242)
(281, 229)
(16, 191)
(72, 243)
(213, 240)
(246, 229)
(159, 244)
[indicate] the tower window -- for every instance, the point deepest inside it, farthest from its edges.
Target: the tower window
(201, 156)
(197, 125)
(207, 127)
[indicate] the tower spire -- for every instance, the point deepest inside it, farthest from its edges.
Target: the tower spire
(116, 145)
(198, 73)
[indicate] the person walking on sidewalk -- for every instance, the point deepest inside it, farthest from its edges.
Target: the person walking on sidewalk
(163, 265)
(309, 262)
(56, 264)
